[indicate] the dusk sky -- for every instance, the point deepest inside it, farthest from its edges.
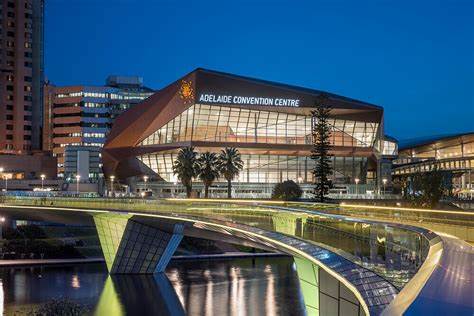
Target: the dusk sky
(414, 58)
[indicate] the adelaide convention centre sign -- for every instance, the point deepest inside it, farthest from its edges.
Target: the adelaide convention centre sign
(236, 99)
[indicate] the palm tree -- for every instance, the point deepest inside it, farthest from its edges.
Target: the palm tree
(185, 167)
(208, 170)
(230, 164)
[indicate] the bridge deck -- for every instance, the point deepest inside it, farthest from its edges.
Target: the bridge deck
(375, 260)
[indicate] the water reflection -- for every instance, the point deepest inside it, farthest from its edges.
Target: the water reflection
(237, 287)
(138, 295)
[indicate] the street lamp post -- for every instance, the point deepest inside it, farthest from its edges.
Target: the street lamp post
(357, 186)
(42, 181)
(112, 178)
(5, 177)
(145, 179)
(2, 220)
(384, 181)
(78, 177)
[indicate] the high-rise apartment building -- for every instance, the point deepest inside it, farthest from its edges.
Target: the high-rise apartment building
(78, 118)
(21, 75)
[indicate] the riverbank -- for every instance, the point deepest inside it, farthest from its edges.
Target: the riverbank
(227, 255)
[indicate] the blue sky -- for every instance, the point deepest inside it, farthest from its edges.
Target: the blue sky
(414, 58)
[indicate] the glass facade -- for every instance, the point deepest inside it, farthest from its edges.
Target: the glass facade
(269, 168)
(247, 128)
(238, 125)
(390, 148)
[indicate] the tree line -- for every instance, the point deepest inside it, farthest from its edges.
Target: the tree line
(207, 167)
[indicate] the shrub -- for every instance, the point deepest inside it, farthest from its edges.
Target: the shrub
(64, 307)
(288, 190)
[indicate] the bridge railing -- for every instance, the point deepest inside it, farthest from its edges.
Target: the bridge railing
(458, 223)
(393, 252)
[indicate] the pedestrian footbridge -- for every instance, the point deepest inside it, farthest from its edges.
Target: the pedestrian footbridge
(378, 265)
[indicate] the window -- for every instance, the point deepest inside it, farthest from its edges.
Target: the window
(10, 127)
(28, 55)
(10, 77)
(27, 45)
(28, 64)
(27, 127)
(27, 88)
(28, 79)
(26, 137)
(9, 97)
(11, 14)
(10, 53)
(9, 117)
(28, 15)
(11, 33)
(9, 107)
(27, 98)
(11, 4)
(10, 63)
(27, 117)
(10, 44)
(11, 24)
(27, 108)
(9, 88)
(9, 137)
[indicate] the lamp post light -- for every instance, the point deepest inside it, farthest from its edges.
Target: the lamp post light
(42, 181)
(2, 220)
(384, 181)
(5, 178)
(145, 178)
(112, 178)
(357, 186)
(78, 177)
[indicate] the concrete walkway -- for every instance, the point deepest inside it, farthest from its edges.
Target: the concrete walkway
(450, 289)
(33, 262)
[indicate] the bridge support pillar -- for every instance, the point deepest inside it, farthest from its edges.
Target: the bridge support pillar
(308, 275)
(323, 294)
(136, 245)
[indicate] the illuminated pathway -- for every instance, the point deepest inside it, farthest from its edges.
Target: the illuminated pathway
(378, 267)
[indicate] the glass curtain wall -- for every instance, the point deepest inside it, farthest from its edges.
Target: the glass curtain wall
(270, 168)
(238, 125)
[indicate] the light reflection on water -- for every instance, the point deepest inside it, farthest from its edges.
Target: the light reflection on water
(228, 287)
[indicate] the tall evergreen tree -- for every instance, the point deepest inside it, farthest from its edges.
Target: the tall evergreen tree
(320, 153)
(186, 167)
(230, 164)
(208, 170)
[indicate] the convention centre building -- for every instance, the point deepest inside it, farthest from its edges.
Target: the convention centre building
(268, 122)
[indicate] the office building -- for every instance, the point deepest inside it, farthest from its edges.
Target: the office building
(79, 118)
(21, 75)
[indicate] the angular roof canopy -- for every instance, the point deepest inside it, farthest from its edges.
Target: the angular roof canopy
(441, 140)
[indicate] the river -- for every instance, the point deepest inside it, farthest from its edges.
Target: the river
(259, 286)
